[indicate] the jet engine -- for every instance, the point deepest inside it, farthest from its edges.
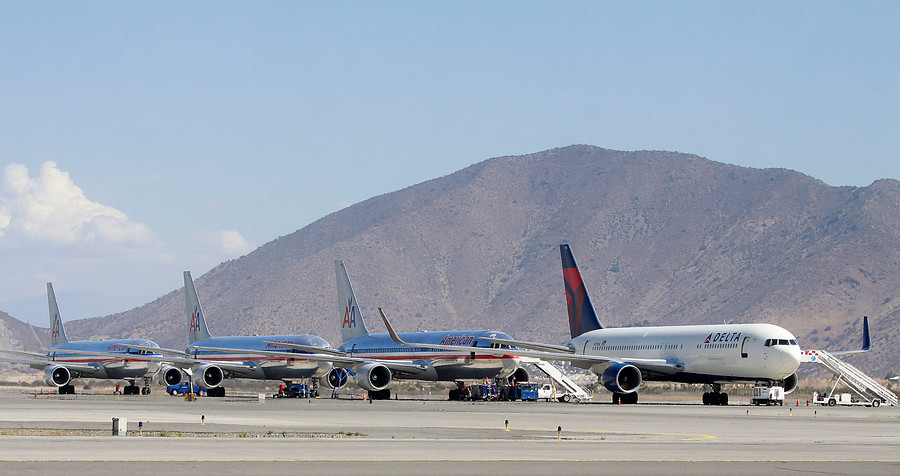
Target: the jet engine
(621, 378)
(57, 376)
(208, 376)
(373, 377)
(169, 375)
(520, 375)
(336, 378)
(790, 383)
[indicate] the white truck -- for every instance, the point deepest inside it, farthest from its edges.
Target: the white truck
(845, 399)
(767, 396)
(548, 392)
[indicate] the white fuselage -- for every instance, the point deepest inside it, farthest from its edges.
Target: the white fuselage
(708, 353)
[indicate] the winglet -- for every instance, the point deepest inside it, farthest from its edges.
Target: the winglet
(36, 338)
(390, 329)
(867, 341)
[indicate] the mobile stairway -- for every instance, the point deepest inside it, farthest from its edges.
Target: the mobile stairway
(864, 386)
(560, 379)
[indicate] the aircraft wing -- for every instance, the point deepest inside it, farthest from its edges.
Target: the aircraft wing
(532, 345)
(42, 364)
(159, 350)
(25, 353)
(305, 348)
(344, 361)
(652, 365)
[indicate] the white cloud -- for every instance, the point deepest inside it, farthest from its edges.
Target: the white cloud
(230, 242)
(52, 208)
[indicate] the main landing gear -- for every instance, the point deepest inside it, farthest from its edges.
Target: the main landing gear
(624, 398)
(67, 389)
(215, 392)
(384, 394)
(132, 389)
(716, 397)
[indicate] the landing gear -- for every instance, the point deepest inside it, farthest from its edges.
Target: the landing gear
(716, 397)
(457, 393)
(215, 392)
(624, 398)
(384, 394)
(146, 389)
(67, 389)
(131, 389)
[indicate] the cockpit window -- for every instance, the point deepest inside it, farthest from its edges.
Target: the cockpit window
(773, 342)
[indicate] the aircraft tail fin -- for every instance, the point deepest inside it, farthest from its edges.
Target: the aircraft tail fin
(57, 331)
(352, 323)
(197, 329)
(582, 317)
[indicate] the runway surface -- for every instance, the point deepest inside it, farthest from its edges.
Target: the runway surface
(242, 435)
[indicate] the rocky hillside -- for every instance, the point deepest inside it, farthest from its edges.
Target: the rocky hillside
(661, 237)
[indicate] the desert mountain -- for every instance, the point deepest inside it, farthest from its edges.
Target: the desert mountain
(662, 238)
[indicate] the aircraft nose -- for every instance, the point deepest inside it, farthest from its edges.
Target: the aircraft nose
(790, 356)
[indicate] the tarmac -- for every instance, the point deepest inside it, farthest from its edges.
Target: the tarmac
(234, 435)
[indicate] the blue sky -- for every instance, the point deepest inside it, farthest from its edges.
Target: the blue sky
(141, 139)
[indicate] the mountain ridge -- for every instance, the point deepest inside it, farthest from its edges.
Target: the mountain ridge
(661, 238)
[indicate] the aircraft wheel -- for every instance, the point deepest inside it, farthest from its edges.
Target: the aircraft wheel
(706, 398)
(723, 400)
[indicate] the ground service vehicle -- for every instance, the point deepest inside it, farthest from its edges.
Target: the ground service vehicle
(182, 388)
(844, 399)
(763, 395)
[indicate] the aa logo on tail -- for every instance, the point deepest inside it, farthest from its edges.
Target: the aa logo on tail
(350, 313)
(195, 318)
(54, 331)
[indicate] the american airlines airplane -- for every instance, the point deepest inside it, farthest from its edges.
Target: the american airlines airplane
(375, 359)
(210, 360)
(700, 354)
(114, 359)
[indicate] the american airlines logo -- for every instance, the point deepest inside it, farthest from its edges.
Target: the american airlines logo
(274, 345)
(195, 320)
(457, 340)
(117, 348)
(54, 331)
(350, 313)
(723, 337)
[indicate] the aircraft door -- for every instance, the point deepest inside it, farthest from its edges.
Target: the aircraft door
(744, 348)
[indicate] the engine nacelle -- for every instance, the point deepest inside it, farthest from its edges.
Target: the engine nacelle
(207, 376)
(169, 375)
(621, 378)
(373, 377)
(336, 378)
(791, 383)
(57, 376)
(520, 375)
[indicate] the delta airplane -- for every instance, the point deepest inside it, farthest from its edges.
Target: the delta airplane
(699, 354)
(210, 360)
(113, 359)
(375, 359)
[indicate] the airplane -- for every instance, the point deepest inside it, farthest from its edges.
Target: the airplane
(624, 357)
(113, 359)
(375, 359)
(210, 360)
